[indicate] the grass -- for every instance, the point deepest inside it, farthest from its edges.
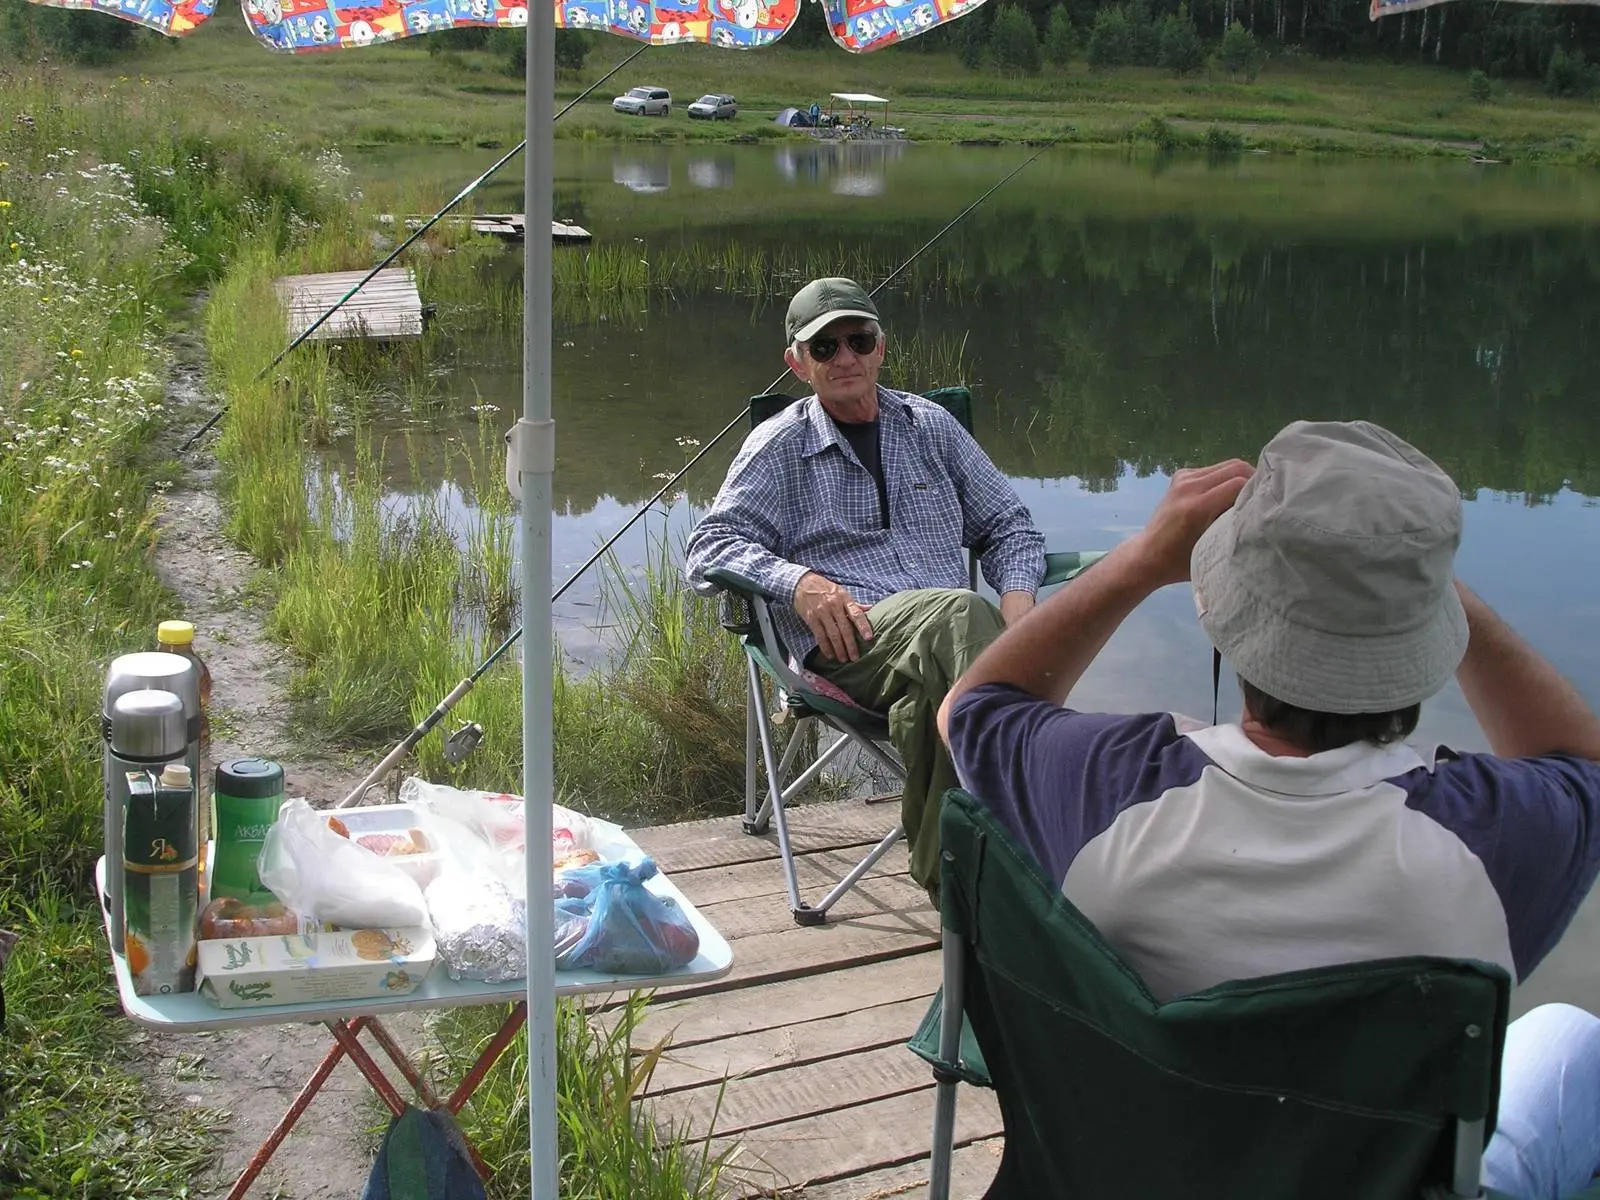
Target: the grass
(106, 219)
(402, 95)
(600, 1078)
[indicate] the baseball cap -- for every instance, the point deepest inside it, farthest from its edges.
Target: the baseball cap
(822, 301)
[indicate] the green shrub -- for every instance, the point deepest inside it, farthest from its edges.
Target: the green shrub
(28, 31)
(1239, 54)
(1111, 40)
(1478, 86)
(972, 38)
(1014, 43)
(1059, 36)
(1155, 131)
(1220, 142)
(1569, 74)
(1181, 51)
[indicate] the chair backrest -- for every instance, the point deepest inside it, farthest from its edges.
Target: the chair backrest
(957, 401)
(1342, 1082)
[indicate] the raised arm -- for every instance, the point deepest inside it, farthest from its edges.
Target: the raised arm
(1524, 705)
(1047, 652)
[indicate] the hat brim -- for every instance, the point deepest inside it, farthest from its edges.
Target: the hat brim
(1312, 668)
(811, 328)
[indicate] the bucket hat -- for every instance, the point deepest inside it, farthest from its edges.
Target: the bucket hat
(823, 301)
(1330, 582)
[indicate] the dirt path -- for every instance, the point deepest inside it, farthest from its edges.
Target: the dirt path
(250, 1075)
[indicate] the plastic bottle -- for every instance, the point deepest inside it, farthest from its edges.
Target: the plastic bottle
(177, 637)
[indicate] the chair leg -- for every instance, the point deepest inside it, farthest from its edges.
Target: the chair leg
(944, 1105)
(753, 704)
(769, 760)
(816, 914)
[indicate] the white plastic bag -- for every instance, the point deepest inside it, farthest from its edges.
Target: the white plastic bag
(498, 816)
(321, 875)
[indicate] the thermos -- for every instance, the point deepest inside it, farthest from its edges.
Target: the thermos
(248, 794)
(131, 673)
(145, 731)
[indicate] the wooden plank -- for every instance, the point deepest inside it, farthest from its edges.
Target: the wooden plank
(845, 1142)
(751, 1103)
(770, 1006)
(797, 952)
(386, 307)
(972, 1170)
(720, 841)
(826, 1040)
(762, 879)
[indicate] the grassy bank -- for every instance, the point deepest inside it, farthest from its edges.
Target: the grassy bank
(107, 220)
(111, 214)
(403, 95)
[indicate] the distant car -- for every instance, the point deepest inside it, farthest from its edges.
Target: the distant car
(714, 107)
(644, 102)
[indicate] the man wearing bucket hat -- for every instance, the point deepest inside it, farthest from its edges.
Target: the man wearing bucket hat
(1309, 833)
(858, 505)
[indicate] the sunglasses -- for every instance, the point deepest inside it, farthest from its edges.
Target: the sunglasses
(862, 343)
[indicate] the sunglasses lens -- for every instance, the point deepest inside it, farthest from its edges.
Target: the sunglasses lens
(861, 343)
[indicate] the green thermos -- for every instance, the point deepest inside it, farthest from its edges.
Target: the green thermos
(248, 795)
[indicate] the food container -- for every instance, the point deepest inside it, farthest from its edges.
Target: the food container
(390, 830)
(346, 964)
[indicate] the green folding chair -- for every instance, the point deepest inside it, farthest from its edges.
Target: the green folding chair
(1369, 1081)
(813, 703)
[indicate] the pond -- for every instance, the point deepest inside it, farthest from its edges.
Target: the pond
(1117, 319)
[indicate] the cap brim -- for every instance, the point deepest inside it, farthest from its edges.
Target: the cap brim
(811, 328)
(1315, 669)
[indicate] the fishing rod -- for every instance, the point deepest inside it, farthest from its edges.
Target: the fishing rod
(403, 246)
(460, 743)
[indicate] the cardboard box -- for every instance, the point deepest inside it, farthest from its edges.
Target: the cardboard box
(346, 964)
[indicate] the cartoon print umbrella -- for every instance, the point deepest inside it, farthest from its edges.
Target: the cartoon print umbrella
(299, 26)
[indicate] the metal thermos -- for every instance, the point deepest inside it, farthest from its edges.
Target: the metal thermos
(145, 732)
(132, 673)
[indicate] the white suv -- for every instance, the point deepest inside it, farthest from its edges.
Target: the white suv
(644, 102)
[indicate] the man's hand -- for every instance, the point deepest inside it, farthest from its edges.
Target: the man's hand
(1196, 497)
(833, 615)
(1015, 605)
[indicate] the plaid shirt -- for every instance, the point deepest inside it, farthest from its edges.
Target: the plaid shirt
(797, 499)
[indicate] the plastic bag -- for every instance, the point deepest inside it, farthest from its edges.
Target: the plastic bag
(629, 929)
(321, 875)
(498, 816)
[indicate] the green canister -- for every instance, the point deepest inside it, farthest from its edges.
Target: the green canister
(160, 866)
(248, 795)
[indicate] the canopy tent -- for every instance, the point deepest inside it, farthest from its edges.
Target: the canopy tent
(847, 107)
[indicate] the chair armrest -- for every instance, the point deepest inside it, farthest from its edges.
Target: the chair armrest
(732, 581)
(1068, 564)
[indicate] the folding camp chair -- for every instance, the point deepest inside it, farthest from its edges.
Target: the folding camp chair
(814, 703)
(1375, 1080)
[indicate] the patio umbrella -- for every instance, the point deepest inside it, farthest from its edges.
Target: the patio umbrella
(309, 25)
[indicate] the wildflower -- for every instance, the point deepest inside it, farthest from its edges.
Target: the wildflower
(13, 245)
(78, 566)
(76, 353)
(5, 204)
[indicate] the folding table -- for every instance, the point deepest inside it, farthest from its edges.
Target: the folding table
(191, 1012)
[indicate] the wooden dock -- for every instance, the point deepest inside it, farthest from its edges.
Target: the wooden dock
(512, 227)
(800, 1052)
(388, 307)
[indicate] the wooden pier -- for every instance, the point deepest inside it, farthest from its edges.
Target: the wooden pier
(512, 227)
(387, 307)
(800, 1052)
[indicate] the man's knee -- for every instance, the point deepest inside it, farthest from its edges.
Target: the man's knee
(1558, 1029)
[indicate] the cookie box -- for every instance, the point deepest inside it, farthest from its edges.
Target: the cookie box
(345, 964)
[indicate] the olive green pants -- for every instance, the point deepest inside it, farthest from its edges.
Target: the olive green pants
(922, 641)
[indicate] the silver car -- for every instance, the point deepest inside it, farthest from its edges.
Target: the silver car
(714, 107)
(644, 102)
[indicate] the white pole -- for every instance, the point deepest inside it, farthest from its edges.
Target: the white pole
(537, 468)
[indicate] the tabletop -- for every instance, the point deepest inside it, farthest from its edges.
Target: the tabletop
(191, 1011)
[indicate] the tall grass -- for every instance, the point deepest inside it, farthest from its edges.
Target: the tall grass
(611, 1148)
(108, 212)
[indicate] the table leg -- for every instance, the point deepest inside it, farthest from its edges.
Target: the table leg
(280, 1131)
(491, 1054)
(402, 1062)
(345, 1035)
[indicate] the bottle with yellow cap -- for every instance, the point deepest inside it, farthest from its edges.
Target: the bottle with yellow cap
(177, 637)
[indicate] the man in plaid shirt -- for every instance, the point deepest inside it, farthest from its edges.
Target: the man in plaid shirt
(856, 506)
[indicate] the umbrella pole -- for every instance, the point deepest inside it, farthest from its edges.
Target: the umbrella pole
(535, 452)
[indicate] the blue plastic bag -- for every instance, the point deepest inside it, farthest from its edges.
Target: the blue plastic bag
(608, 921)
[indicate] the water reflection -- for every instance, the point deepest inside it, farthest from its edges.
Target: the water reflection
(849, 168)
(641, 172)
(712, 172)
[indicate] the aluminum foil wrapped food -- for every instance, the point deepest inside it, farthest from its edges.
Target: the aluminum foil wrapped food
(479, 927)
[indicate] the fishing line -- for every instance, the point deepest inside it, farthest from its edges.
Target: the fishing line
(417, 233)
(442, 709)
